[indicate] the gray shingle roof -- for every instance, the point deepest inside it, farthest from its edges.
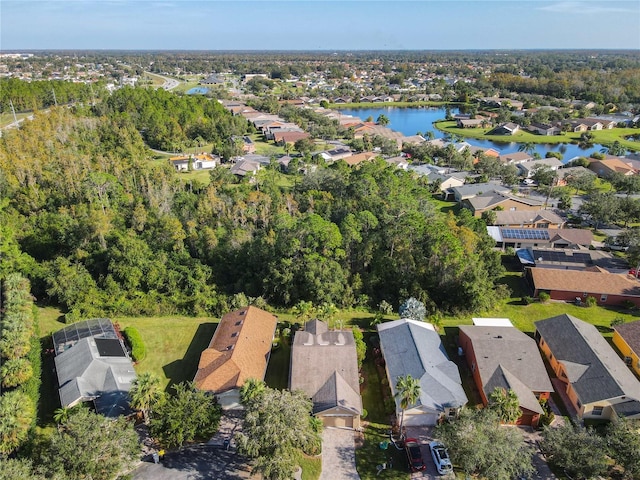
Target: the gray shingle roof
(84, 375)
(594, 369)
(414, 348)
(508, 358)
(324, 365)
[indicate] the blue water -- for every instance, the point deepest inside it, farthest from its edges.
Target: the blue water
(197, 91)
(409, 121)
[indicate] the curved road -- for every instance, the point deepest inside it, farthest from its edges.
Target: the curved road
(169, 83)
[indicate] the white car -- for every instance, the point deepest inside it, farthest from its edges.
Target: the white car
(440, 457)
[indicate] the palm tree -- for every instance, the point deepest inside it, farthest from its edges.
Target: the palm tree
(408, 391)
(145, 393)
(251, 388)
(506, 404)
(61, 415)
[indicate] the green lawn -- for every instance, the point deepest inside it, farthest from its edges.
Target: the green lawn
(369, 455)
(600, 137)
(7, 118)
(277, 375)
(311, 467)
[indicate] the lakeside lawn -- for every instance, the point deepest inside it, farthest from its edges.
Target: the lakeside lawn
(600, 137)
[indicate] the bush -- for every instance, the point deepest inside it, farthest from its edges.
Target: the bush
(628, 305)
(544, 297)
(364, 413)
(591, 302)
(134, 339)
(527, 300)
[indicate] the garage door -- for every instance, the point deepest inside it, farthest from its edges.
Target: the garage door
(420, 419)
(338, 421)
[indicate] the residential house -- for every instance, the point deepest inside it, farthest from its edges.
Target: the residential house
(544, 129)
(528, 219)
(574, 238)
(247, 144)
(335, 154)
(598, 383)
(414, 348)
(282, 138)
(492, 200)
(568, 259)
(626, 338)
(240, 349)
(610, 166)
(93, 365)
(398, 162)
(516, 158)
(447, 181)
(528, 169)
(358, 158)
(502, 102)
(471, 190)
(508, 128)
(506, 358)
(565, 174)
(244, 167)
(471, 122)
(488, 152)
(571, 285)
(324, 365)
(587, 124)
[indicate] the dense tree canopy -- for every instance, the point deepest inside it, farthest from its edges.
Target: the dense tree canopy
(278, 427)
(89, 446)
(108, 231)
(478, 444)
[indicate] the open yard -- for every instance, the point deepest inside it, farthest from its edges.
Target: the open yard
(600, 137)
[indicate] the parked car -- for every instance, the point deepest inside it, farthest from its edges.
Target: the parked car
(440, 457)
(414, 455)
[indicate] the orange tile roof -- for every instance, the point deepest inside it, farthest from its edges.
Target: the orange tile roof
(583, 281)
(360, 157)
(238, 350)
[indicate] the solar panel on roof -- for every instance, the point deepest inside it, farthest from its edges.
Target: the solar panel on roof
(525, 234)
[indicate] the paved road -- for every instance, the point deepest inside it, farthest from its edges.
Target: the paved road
(169, 83)
(196, 463)
(338, 455)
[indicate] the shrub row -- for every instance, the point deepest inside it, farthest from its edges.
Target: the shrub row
(134, 339)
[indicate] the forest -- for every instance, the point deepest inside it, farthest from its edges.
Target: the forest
(100, 228)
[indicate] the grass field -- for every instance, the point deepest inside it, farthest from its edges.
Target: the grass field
(600, 137)
(7, 118)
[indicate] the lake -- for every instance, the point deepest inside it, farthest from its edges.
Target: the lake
(411, 120)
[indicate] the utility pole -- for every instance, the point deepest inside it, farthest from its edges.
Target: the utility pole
(13, 110)
(54, 97)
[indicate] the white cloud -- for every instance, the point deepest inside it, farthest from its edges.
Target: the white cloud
(588, 8)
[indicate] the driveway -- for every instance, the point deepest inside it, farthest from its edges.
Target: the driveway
(424, 435)
(338, 455)
(202, 462)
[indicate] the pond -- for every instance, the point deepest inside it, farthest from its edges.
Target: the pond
(411, 120)
(197, 91)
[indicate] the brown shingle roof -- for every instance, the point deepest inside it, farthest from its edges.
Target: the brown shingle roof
(630, 333)
(238, 350)
(582, 281)
(576, 236)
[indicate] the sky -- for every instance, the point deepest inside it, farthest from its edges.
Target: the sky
(318, 25)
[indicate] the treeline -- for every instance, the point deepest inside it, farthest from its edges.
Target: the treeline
(172, 122)
(111, 232)
(20, 370)
(40, 94)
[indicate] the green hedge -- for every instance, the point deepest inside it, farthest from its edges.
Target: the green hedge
(138, 350)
